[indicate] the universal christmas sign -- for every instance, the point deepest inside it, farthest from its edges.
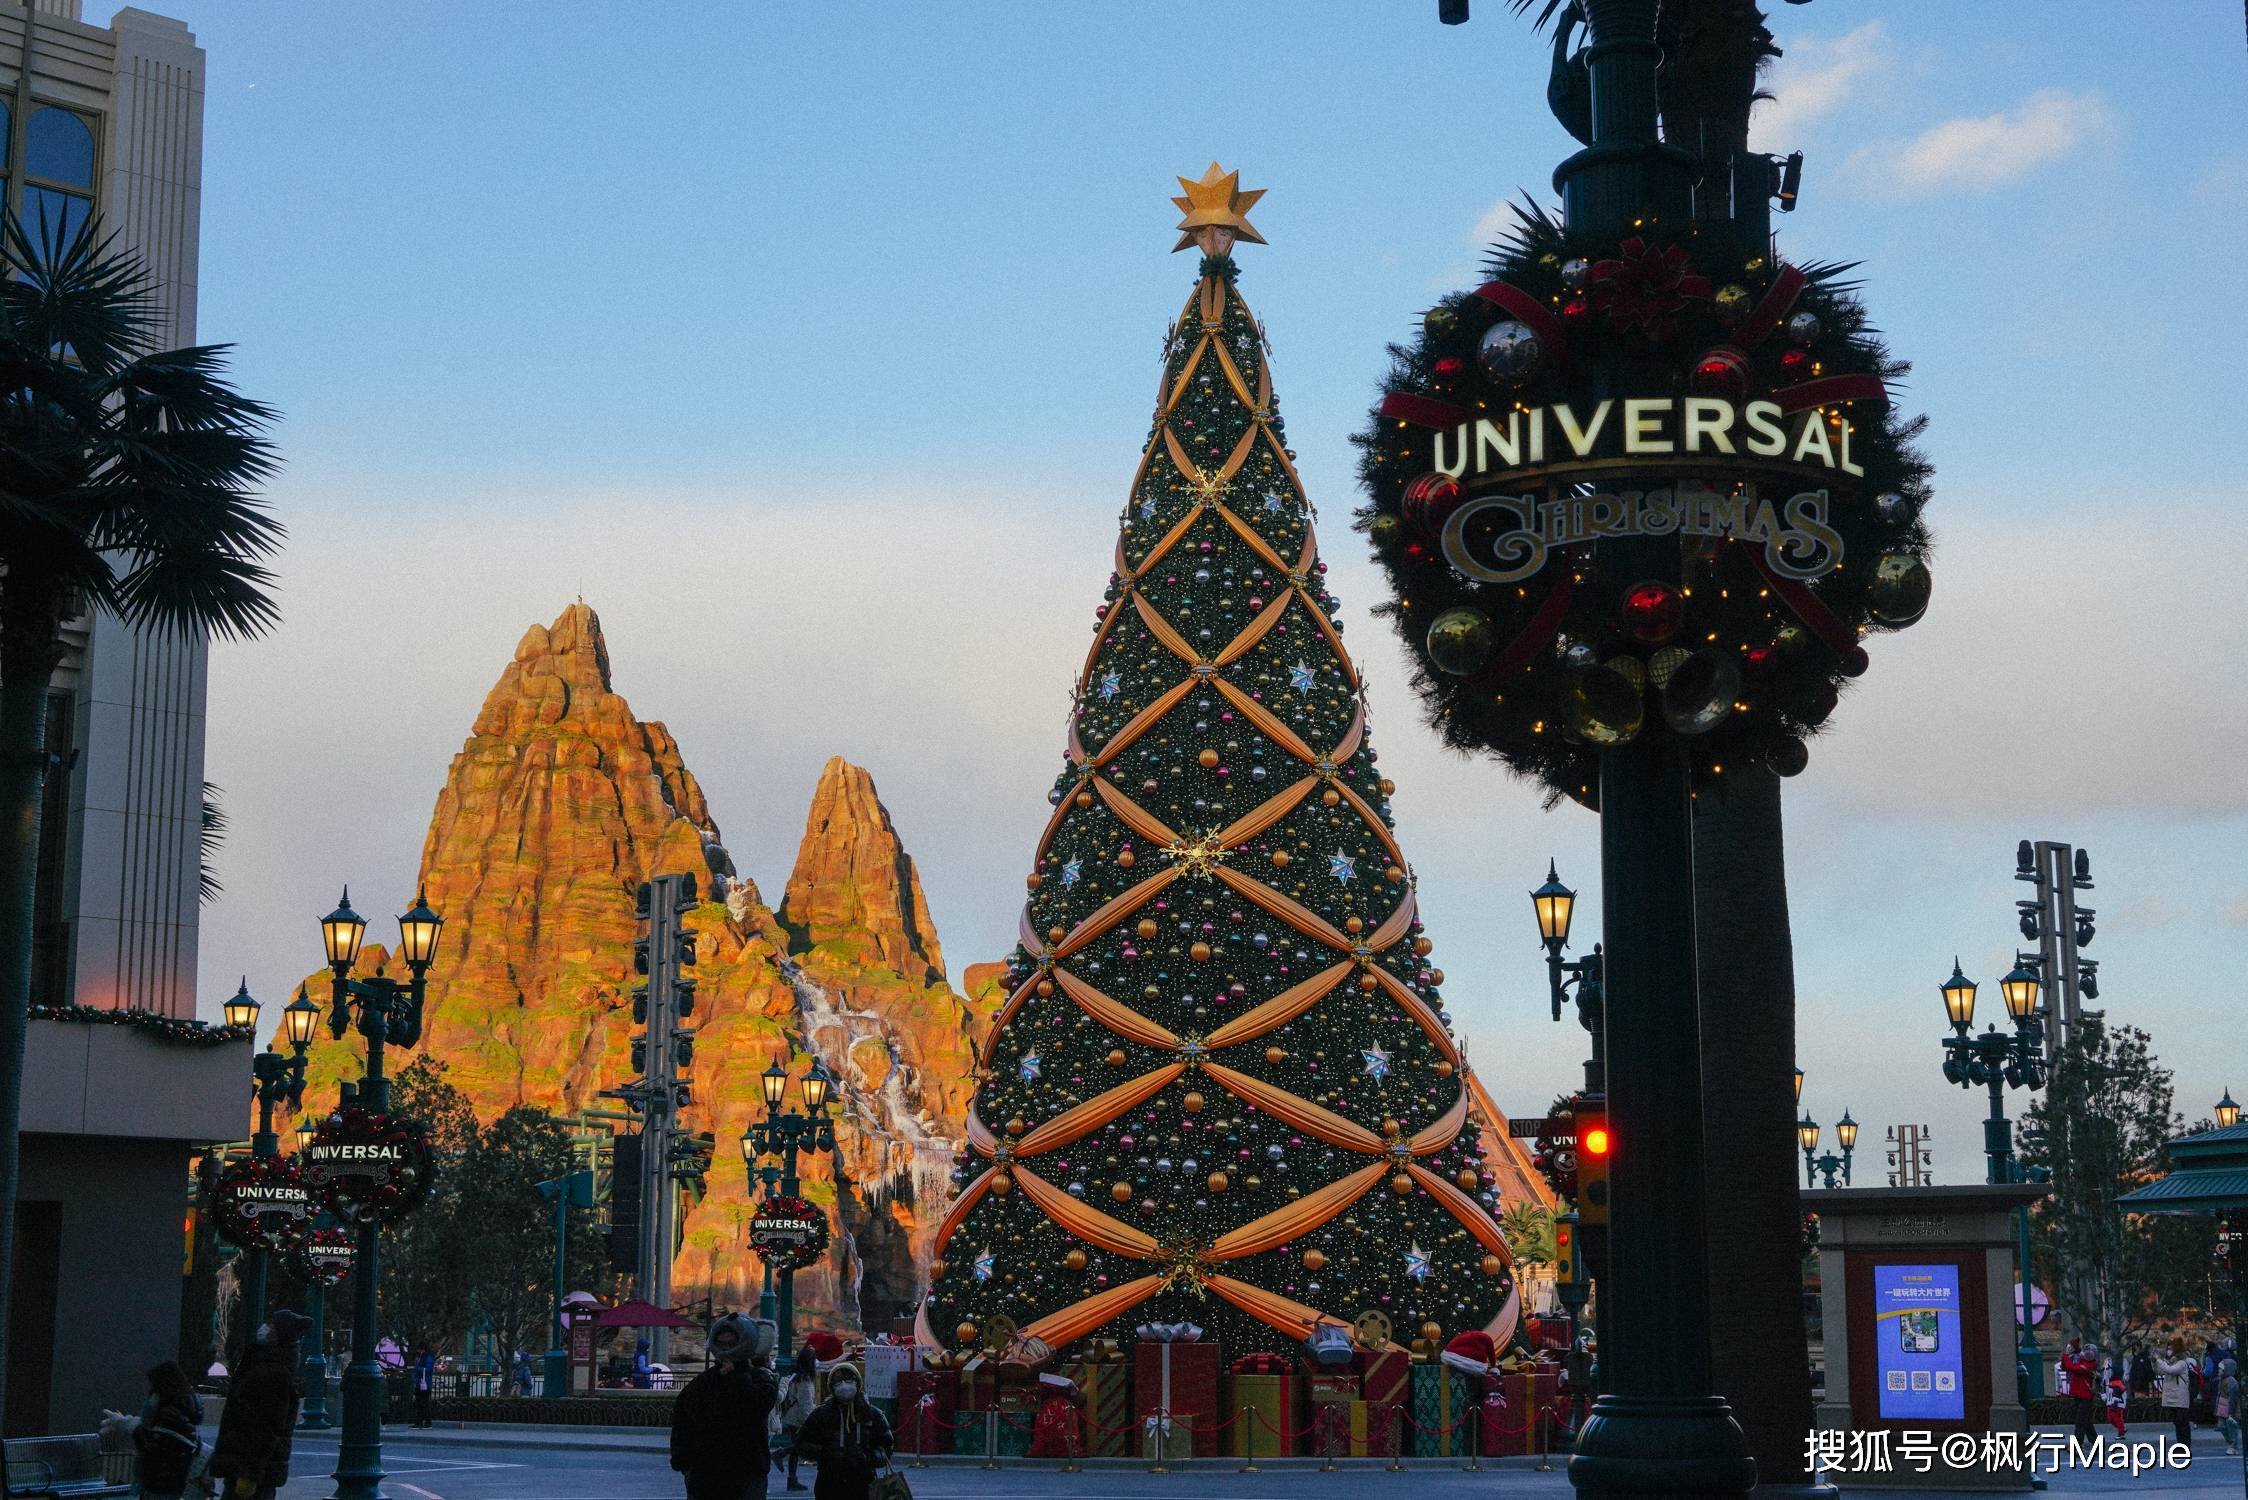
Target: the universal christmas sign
(788, 1232)
(323, 1258)
(368, 1165)
(263, 1203)
(1596, 393)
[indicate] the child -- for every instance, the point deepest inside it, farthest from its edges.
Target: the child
(2116, 1395)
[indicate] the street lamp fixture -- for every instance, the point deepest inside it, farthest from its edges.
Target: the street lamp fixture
(1799, 1087)
(775, 1079)
(341, 933)
(2228, 1113)
(1807, 1136)
(1959, 999)
(2020, 988)
(1846, 1131)
(1556, 907)
(298, 1019)
(307, 1128)
(815, 1087)
(240, 1009)
(417, 932)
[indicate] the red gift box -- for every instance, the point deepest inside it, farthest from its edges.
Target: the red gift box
(918, 1429)
(1181, 1378)
(1387, 1377)
(1057, 1433)
(1528, 1393)
(1264, 1364)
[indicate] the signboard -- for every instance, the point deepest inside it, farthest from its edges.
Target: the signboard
(2040, 1305)
(789, 1232)
(323, 1258)
(367, 1165)
(263, 1203)
(1919, 1343)
(1561, 1131)
(581, 1356)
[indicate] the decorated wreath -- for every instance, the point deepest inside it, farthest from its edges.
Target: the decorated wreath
(264, 1203)
(323, 1257)
(1650, 387)
(789, 1231)
(1555, 1153)
(369, 1165)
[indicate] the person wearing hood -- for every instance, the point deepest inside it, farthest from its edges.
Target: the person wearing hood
(847, 1437)
(2173, 1377)
(718, 1422)
(258, 1426)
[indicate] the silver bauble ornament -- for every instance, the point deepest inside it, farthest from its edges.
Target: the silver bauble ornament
(1898, 594)
(1578, 655)
(1508, 353)
(1788, 757)
(1461, 640)
(1891, 508)
(1804, 328)
(1605, 706)
(1574, 274)
(1699, 695)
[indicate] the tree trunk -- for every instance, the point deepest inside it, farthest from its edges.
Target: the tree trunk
(1747, 968)
(27, 663)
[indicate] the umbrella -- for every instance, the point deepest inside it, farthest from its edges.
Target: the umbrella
(639, 1314)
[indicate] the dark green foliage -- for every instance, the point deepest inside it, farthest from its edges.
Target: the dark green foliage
(1007, 1258)
(2101, 1130)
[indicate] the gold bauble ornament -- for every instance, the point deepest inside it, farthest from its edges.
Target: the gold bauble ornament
(1217, 1182)
(1444, 1070)
(1056, 934)
(1076, 1260)
(1385, 532)
(1147, 927)
(1252, 1182)
(1280, 859)
(936, 1269)
(1605, 704)
(1193, 1103)
(1401, 1184)
(1276, 1054)
(1354, 924)
(1395, 875)
(1002, 1184)
(1116, 1057)
(1314, 1260)
(1432, 1330)
(1436, 976)
(1045, 987)
(1034, 880)
(1491, 1265)
(1127, 859)
(1015, 1126)
(1199, 952)
(1467, 1179)
(1122, 1192)
(1733, 304)
(1330, 797)
(1422, 947)
(966, 1333)
(1387, 786)
(1391, 1128)
(1208, 758)
(1084, 799)
(1461, 640)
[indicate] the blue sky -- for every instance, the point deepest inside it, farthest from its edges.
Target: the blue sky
(814, 345)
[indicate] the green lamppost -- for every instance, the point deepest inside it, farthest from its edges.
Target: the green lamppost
(1834, 1171)
(278, 1079)
(312, 1413)
(782, 1133)
(390, 1014)
(1998, 1062)
(1807, 1137)
(570, 1190)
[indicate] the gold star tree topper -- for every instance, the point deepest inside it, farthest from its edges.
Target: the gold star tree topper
(1217, 212)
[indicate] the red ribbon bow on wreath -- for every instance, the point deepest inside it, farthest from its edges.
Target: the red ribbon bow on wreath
(1646, 287)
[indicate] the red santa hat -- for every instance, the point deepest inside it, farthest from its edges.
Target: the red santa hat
(1472, 1351)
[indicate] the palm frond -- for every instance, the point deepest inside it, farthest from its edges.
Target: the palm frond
(79, 293)
(1546, 9)
(211, 835)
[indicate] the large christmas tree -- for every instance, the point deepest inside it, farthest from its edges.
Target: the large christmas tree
(1223, 1089)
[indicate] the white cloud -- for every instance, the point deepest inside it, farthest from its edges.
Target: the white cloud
(1982, 152)
(1813, 78)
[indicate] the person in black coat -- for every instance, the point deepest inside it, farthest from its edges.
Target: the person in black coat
(165, 1439)
(847, 1437)
(718, 1422)
(259, 1424)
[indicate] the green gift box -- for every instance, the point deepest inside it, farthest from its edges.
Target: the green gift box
(1443, 1412)
(968, 1433)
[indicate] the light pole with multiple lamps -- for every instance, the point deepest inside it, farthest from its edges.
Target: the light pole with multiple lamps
(312, 1412)
(1827, 1170)
(1999, 1062)
(782, 1133)
(278, 1079)
(390, 1013)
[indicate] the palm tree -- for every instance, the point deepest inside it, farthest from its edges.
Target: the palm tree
(125, 485)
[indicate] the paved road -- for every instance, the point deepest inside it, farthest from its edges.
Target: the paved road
(467, 1465)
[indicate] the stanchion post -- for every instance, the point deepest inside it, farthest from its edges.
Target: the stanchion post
(1544, 1418)
(1070, 1465)
(1397, 1440)
(991, 1438)
(1158, 1432)
(1248, 1440)
(1474, 1464)
(1326, 1440)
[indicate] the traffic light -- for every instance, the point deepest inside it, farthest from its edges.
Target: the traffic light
(1566, 1268)
(639, 1005)
(1596, 1146)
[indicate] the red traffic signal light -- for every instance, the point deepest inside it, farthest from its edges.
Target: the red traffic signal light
(1594, 1142)
(1565, 1251)
(1596, 1147)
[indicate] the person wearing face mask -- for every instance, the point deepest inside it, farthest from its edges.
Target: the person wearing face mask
(846, 1437)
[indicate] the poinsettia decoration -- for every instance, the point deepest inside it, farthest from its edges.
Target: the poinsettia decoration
(1646, 287)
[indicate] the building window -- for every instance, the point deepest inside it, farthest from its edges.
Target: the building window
(58, 173)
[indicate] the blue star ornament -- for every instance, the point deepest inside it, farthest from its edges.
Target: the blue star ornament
(1302, 678)
(1072, 873)
(1111, 685)
(1377, 1062)
(983, 1265)
(1417, 1264)
(1029, 1066)
(1147, 510)
(1342, 866)
(1272, 500)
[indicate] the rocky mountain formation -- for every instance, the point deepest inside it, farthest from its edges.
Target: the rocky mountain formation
(556, 808)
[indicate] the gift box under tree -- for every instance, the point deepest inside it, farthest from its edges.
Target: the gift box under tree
(1268, 1401)
(1444, 1405)
(918, 1428)
(1386, 1376)
(1534, 1406)
(1105, 1398)
(1179, 1377)
(1355, 1429)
